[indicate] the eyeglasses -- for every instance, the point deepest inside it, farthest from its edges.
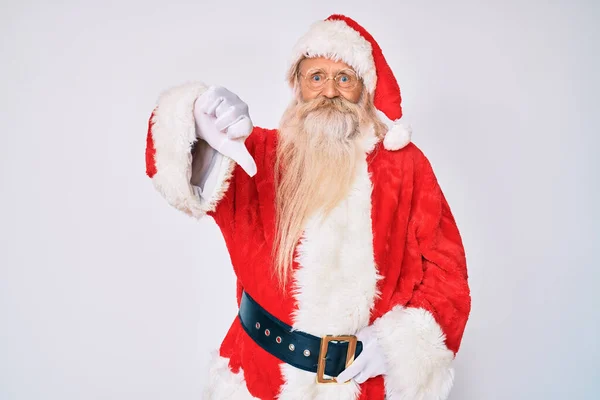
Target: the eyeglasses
(346, 79)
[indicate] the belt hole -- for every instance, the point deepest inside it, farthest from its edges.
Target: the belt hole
(278, 339)
(257, 325)
(267, 332)
(306, 353)
(292, 347)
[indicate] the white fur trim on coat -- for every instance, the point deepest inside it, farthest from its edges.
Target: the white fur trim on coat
(418, 362)
(336, 40)
(174, 133)
(223, 384)
(335, 284)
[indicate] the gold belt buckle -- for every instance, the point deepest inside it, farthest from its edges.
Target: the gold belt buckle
(323, 353)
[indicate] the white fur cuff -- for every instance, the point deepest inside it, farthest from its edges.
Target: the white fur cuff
(174, 133)
(418, 361)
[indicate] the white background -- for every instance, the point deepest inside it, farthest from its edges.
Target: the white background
(106, 292)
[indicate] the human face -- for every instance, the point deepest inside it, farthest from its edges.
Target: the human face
(329, 90)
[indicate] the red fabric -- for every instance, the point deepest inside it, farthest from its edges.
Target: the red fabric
(417, 248)
(150, 150)
(429, 270)
(387, 97)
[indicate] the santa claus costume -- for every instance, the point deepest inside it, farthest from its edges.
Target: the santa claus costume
(389, 255)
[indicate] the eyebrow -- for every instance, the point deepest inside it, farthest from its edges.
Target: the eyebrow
(313, 70)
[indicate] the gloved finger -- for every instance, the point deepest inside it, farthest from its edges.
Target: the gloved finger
(236, 150)
(205, 129)
(208, 101)
(227, 117)
(240, 128)
(202, 102)
(353, 369)
(212, 105)
(206, 104)
(220, 91)
(223, 109)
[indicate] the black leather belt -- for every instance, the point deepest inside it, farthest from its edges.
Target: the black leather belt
(329, 355)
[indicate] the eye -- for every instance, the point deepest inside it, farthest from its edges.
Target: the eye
(345, 77)
(346, 80)
(317, 77)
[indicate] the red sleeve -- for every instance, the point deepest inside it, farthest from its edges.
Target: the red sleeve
(444, 290)
(419, 340)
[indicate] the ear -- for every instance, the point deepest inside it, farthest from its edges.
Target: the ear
(292, 75)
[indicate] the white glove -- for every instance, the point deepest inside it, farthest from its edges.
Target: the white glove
(222, 120)
(371, 361)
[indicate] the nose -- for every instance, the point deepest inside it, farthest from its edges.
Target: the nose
(330, 90)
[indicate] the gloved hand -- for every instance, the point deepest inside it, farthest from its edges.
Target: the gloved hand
(371, 361)
(222, 120)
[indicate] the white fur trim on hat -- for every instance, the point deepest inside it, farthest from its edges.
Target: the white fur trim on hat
(336, 40)
(398, 134)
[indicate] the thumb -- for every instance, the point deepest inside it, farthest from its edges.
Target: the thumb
(353, 369)
(236, 150)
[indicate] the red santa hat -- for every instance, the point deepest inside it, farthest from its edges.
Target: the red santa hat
(343, 39)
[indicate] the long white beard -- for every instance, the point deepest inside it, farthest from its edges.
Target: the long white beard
(317, 155)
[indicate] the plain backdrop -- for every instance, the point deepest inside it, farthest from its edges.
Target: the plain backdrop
(106, 292)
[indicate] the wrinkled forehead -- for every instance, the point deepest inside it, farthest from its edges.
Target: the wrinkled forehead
(324, 64)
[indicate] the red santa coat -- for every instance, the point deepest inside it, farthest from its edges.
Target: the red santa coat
(389, 255)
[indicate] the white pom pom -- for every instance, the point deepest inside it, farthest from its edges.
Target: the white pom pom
(397, 136)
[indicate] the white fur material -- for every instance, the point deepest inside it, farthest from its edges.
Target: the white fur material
(369, 139)
(419, 363)
(397, 137)
(336, 40)
(398, 134)
(173, 133)
(223, 384)
(336, 284)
